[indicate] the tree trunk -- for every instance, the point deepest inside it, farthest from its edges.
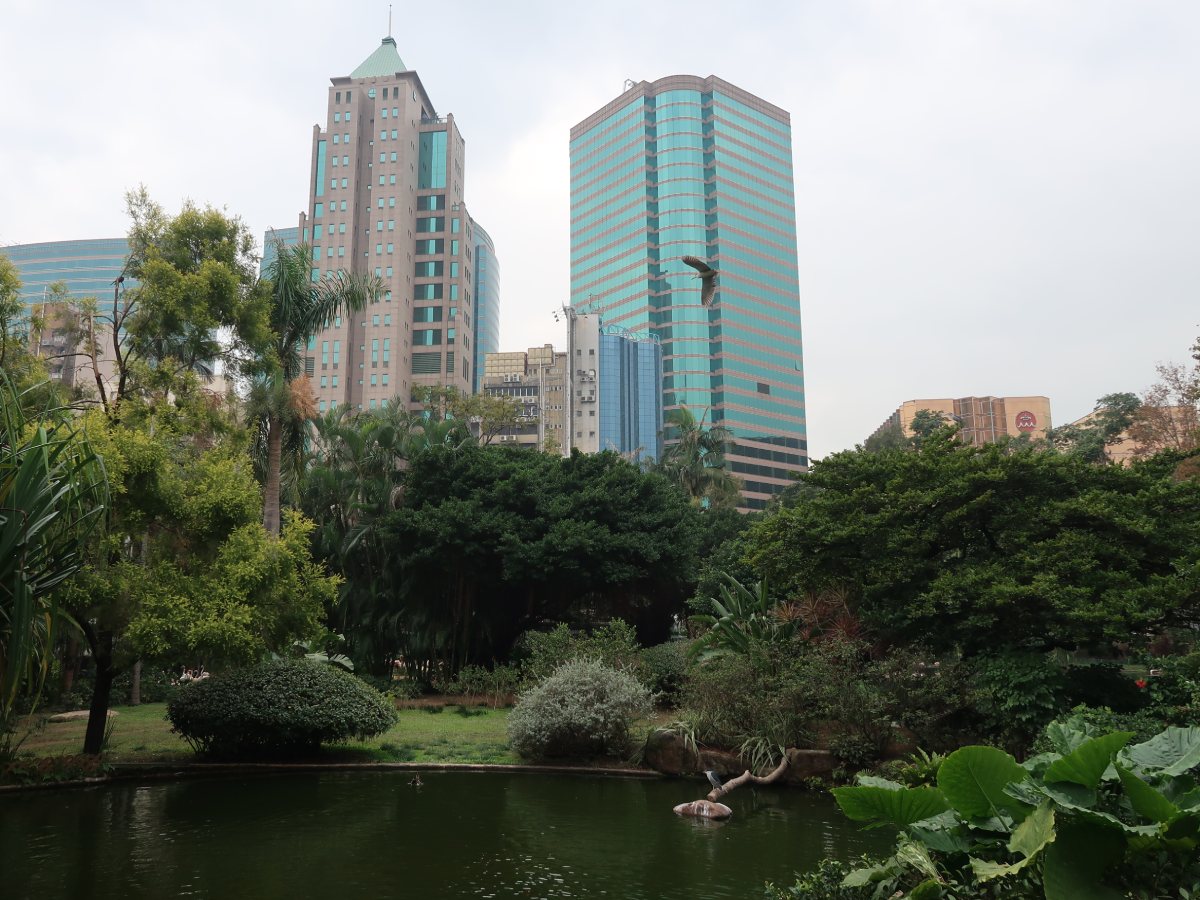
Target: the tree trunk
(102, 654)
(135, 686)
(746, 777)
(271, 489)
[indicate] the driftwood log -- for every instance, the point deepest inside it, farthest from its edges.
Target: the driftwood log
(709, 808)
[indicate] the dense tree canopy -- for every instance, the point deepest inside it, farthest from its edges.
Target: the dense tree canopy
(491, 541)
(983, 547)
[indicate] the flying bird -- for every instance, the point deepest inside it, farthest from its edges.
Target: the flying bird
(707, 274)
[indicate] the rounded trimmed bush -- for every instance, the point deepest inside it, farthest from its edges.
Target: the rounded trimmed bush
(583, 709)
(663, 668)
(278, 707)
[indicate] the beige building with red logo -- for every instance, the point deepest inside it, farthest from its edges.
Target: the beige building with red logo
(984, 420)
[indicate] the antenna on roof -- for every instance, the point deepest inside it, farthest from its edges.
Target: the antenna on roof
(389, 20)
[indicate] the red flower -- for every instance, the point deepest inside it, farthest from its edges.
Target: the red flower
(1141, 683)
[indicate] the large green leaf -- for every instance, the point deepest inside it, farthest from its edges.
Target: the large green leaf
(1066, 737)
(1146, 800)
(884, 806)
(1077, 860)
(1086, 764)
(1172, 752)
(972, 779)
(1029, 838)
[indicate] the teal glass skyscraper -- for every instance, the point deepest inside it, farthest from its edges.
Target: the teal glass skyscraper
(697, 166)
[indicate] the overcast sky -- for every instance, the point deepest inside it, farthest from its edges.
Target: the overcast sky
(995, 197)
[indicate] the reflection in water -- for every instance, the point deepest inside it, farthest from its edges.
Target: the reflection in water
(462, 835)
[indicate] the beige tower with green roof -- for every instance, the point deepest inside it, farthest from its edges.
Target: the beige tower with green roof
(386, 198)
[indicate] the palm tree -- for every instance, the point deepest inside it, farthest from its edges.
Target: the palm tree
(53, 492)
(695, 460)
(300, 307)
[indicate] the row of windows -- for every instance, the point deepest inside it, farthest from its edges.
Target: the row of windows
(338, 116)
(344, 138)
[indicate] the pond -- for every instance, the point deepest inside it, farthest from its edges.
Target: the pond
(369, 834)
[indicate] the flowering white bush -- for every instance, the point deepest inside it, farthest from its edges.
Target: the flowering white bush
(583, 709)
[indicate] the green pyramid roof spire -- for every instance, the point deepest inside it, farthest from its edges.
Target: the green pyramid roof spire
(384, 61)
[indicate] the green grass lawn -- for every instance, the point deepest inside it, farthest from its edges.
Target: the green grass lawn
(430, 734)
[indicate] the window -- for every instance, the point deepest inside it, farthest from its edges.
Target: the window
(338, 97)
(330, 254)
(393, 134)
(324, 381)
(390, 248)
(383, 135)
(427, 313)
(341, 251)
(387, 319)
(391, 201)
(324, 353)
(393, 156)
(335, 160)
(371, 93)
(374, 383)
(341, 228)
(345, 160)
(429, 269)
(383, 112)
(337, 117)
(347, 115)
(385, 377)
(391, 224)
(345, 182)
(764, 388)
(375, 319)
(387, 353)
(343, 206)
(336, 138)
(428, 224)
(427, 337)
(382, 157)
(337, 351)
(375, 350)
(455, 224)
(316, 233)
(318, 210)
(335, 378)
(346, 138)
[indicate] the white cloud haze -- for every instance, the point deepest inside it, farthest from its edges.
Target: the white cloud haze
(993, 196)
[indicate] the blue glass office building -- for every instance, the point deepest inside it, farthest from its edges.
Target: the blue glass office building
(630, 374)
(688, 165)
(289, 237)
(88, 267)
(487, 300)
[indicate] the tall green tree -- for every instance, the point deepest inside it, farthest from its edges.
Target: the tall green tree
(982, 548)
(487, 542)
(299, 307)
(1107, 425)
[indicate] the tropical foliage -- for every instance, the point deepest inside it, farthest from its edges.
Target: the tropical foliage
(53, 491)
(1094, 817)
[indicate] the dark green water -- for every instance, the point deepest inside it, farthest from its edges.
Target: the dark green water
(370, 835)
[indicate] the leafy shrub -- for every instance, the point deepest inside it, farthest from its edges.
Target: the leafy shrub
(732, 698)
(1017, 695)
(495, 685)
(278, 707)
(663, 668)
(614, 645)
(583, 709)
(1143, 724)
(916, 769)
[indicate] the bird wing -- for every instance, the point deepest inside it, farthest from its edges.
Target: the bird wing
(699, 265)
(709, 291)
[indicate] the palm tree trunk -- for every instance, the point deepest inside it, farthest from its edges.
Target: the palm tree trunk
(271, 498)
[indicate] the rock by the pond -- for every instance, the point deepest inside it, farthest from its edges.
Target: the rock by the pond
(704, 809)
(77, 714)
